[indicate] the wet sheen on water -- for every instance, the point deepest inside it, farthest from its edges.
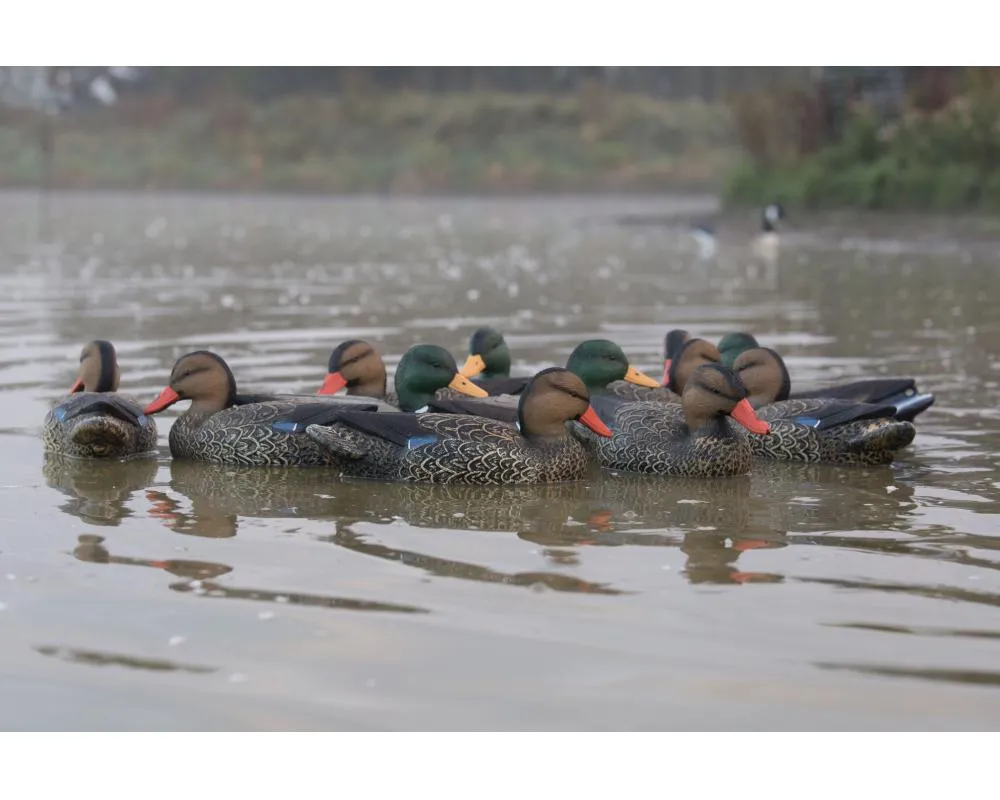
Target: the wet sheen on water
(173, 595)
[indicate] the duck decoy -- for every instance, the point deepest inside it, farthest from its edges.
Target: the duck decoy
(459, 448)
(817, 430)
(899, 392)
(94, 420)
(224, 427)
(488, 363)
(693, 353)
(705, 435)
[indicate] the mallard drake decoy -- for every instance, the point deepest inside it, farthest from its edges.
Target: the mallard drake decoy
(705, 435)
(94, 420)
(488, 363)
(817, 430)
(224, 427)
(899, 392)
(458, 448)
(600, 363)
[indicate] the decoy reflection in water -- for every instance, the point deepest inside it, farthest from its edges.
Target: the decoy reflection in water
(99, 491)
(899, 392)
(818, 429)
(222, 427)
(94, 421)
(705, 435)
(91, 549)
(461, 448)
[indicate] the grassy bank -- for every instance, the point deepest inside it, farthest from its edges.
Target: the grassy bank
(594, 140)
(943, 159)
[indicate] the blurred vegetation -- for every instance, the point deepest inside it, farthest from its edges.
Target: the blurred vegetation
(370, 138)
(939, 151)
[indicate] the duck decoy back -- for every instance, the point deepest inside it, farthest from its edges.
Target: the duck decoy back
(94, 420)
(705, 435)
(817, 430)
(489, 356)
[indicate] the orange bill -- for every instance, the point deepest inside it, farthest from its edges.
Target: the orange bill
(747, 417)
(332, 384)
(473, 366)
(462, 384)
(666, 371)
(640, 379)
(592, 421)
(166, 399)
(76, 387)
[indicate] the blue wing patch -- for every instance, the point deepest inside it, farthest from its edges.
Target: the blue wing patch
(286, 426)
(809, 422)
(420, 441)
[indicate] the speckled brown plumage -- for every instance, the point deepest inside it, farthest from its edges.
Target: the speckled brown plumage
(817, 430)
(464, 449)
(654, 438)
(247, 435)
(694, 438)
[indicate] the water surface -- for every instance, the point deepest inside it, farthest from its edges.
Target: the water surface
(165, 595)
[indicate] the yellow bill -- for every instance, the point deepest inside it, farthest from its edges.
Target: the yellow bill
(640, 379)
(473, 366)
(462, 384)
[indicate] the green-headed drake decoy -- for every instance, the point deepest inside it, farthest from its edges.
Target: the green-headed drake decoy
(818, 430)
(459, 448)
(600, 363)
(899, 392)
(703, 436)
(94, 420)
(224, 427)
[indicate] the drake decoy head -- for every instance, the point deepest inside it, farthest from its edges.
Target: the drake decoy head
(599, 362)
(489, 356)
(425, 369)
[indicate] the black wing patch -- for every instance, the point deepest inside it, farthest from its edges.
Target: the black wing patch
(297, 418)
(875, 390)
(497, 386)
(398, 427)
(476, 408)
(99, 405)
(835, 413)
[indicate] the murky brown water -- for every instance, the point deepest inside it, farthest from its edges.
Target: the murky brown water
(171, 595)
